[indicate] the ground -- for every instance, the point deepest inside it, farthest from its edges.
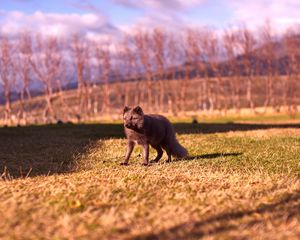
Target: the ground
(241, 180)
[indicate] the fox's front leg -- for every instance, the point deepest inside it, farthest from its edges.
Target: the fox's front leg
(130, 147)
(146, 154)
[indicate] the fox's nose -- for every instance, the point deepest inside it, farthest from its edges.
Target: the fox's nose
(127, 125)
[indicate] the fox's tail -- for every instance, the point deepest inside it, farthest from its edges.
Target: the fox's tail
(178, 151)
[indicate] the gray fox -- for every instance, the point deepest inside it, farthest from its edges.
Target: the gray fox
(152, 129)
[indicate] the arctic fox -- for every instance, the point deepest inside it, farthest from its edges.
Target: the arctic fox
(152, 129)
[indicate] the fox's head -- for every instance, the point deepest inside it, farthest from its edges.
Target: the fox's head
(133, 118)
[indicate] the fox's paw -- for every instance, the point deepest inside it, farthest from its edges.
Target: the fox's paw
(145, 164)
(154, 161)
(124, 164)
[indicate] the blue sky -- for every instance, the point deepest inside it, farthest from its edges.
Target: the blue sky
(103, 17)
(207, 12)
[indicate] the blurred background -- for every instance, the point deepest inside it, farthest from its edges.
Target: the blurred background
(80, 61)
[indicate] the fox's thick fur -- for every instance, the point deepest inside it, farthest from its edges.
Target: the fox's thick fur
(154, 130)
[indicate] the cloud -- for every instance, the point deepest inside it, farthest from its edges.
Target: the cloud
(55, 23)
(172, 15)
(281, 13)
(85, 5)
(170, 22)
(164, 14)
(160, 4)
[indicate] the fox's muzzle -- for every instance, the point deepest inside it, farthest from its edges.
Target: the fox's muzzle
(128, 125)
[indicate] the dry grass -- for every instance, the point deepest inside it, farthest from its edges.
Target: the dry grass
(237, 184)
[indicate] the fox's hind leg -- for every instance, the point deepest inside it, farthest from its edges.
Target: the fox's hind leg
(159, 153)
(169, 155)
(168, 151)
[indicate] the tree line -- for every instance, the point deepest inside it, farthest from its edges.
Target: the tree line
(196, 69)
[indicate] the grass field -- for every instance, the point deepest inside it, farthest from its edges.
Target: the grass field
(241, 181)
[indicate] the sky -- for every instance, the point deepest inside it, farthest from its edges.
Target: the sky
(104, 18)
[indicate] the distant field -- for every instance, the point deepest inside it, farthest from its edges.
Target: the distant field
(66, 105)
(241, 180)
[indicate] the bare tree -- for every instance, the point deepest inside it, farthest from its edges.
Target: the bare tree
(230, 45)
(142, 43)
(64, 78)
(130, 65)
(103, 56)
(172, 64)
(207, 54)
(269, 56)
(247, 44)
(213, 57)
(194, 54)
(81, 58)
(7, 74)
(46, 63)
(188, 64)
(24, 71)
(289, 86)
(159, 40)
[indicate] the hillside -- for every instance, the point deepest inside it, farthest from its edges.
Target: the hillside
(169, 97)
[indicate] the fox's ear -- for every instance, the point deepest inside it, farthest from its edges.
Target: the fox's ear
(126, 109)
(138, 110)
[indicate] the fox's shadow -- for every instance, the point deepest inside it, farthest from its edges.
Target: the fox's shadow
(209, 156)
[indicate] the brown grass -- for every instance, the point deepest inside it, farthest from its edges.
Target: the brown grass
(236, 185)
